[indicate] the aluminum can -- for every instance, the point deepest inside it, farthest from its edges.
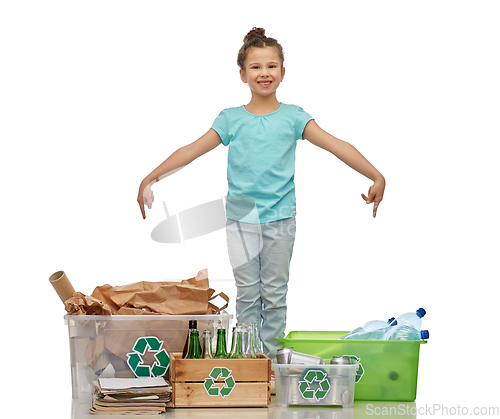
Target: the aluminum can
(343, 360)
(300, 358)
(283, 355)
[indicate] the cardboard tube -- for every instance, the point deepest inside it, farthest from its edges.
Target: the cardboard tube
(61, 284)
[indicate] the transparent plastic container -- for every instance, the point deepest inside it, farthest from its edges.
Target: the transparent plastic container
(318, 385)
(122, 344)
(388, 369)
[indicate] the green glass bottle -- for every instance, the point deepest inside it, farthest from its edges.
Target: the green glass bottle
(221, 351)
(194, 351)
(238, 351)
(193, 324)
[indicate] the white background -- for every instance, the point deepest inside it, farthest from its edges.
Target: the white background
(95, 94)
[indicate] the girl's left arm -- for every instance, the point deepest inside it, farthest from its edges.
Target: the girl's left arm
(350, 156)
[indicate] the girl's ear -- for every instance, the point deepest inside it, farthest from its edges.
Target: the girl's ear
(282, 73)
(243, 76)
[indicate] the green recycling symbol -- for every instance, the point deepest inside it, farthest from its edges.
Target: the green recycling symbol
(150, 344)
(355, 360)
(228, 386)
(312, 391)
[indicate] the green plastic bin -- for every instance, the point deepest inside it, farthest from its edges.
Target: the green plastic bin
(389, 368)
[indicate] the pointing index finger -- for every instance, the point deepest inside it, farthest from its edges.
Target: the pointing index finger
(141, 205)
(375, 207)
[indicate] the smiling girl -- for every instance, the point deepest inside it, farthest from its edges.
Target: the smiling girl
(260, 206)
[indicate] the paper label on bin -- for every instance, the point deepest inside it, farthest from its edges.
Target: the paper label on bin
(226, 389)
(148, 344)
(314, 384)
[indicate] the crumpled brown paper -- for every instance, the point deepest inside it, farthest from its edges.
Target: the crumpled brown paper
(190, 296)
(84, 304)
(112, 339)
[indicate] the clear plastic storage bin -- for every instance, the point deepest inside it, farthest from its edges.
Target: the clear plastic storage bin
(388, 369)
(320, 385)
(126, 346)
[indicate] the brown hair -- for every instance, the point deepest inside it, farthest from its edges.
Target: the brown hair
(256, 38)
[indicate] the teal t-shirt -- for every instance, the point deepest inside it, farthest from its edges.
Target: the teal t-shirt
(261, 161)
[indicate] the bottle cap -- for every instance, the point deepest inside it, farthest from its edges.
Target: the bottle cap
(420, 312)
(193, 324)
(424, 334)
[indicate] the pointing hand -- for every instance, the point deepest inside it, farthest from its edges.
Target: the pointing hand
(375, 194)
(145, 196)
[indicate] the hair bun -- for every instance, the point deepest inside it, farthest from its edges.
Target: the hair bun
(255, 32)
(257, 38)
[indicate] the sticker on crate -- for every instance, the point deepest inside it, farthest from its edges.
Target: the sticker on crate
(314, 384)
(225, 390)
(153, 345)
(355, 360)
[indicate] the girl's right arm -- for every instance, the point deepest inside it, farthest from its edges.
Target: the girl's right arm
(176, 161)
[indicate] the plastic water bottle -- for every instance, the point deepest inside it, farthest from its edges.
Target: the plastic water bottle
(377, 334)
(413, 319)
(369, 327)
(404, 332)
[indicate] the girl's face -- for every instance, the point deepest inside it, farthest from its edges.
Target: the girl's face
(263, 70)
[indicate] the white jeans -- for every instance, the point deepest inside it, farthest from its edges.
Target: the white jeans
(260, 256)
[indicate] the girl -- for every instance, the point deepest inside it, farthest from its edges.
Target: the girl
(260, 206)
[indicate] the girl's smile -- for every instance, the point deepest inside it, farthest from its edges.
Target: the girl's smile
(263, 71)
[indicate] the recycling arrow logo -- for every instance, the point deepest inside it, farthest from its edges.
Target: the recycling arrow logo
(136, 363)
(314, 384)
(355, 360)
(214, 375)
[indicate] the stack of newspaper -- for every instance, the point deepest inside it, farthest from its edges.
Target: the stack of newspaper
(145, 395)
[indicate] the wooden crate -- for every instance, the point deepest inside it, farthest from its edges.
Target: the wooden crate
(239, 382)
